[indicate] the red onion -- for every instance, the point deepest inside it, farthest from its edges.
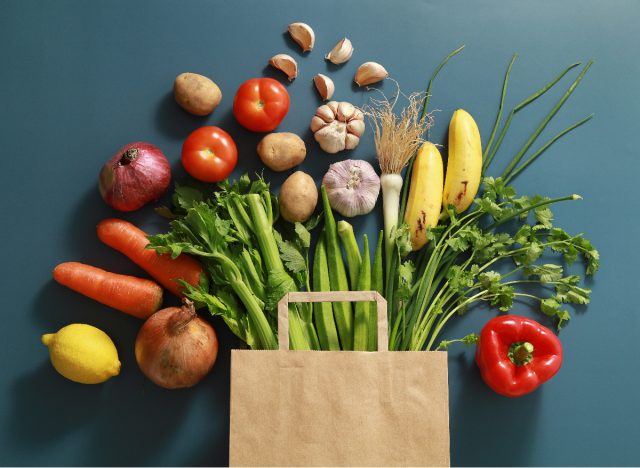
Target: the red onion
(175, 348)
(138, 174)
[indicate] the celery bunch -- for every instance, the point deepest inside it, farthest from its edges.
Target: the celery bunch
(249, 265)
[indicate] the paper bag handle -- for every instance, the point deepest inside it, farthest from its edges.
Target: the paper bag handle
(333, 296)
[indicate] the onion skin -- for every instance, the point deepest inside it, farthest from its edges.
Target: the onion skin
(137, 174)
(175, 348)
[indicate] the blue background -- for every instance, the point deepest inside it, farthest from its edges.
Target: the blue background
(80, 79)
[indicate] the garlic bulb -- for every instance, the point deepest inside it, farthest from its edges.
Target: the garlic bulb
(337, 126)
(352, 187)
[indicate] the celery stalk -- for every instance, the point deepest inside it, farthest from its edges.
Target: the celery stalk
(279, 278)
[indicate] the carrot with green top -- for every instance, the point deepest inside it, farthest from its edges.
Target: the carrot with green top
(134, 296)
(132, 242)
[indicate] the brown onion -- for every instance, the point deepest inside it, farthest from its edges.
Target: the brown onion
(138, 174)
(175, 348)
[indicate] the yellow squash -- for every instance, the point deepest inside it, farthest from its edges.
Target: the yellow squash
(464, 163)
(425, 194)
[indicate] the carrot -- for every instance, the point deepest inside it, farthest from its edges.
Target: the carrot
(134, 296)
(132, 241)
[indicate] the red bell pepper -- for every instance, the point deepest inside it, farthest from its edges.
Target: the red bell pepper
(516, 355)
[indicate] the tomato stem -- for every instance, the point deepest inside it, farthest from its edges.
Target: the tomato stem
(521, 353)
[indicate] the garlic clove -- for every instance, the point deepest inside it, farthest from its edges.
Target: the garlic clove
(317, 123)
(333, 105)
(286, 64)
(358, 114)
(332, 138)
(369, 73)
(303, 35)
(351, 141)
(356, 127)
(341, 52)
(326, 113)
(324, 85)
(345, 111)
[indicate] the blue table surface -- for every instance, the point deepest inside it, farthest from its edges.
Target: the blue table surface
(80, 79)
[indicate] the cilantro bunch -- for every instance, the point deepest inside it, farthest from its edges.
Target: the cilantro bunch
(460, 267)
(464, 261)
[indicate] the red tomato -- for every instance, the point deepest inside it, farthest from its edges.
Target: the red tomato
(260, 104)
(209, 154)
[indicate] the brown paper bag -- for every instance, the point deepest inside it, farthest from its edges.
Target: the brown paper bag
(338, 408)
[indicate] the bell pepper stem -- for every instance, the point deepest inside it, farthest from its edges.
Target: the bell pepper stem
(521, 353)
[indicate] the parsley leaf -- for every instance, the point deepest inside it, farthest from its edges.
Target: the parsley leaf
(460, 279)
(568, 291)
(406, 271)
(290, 255)
(522, 236)
(402, 237)
(531, 252)
(543, 216)
(499, 294)
(468, 340)
(304, 236)
(547, 272)
(551, 308)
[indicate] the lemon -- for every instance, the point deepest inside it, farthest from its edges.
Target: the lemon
(82, 353)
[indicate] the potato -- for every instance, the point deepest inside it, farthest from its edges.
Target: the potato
(298, 197)
(281, 151)
(196, 94)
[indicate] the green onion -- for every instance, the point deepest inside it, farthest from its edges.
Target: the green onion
(535, 155)
(499, 116)
(520, 106)
(546, 120)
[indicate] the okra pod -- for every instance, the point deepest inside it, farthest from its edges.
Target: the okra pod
(323, 311)
(377, 284)
(338, 277)
(363, 309)
(348, 238)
